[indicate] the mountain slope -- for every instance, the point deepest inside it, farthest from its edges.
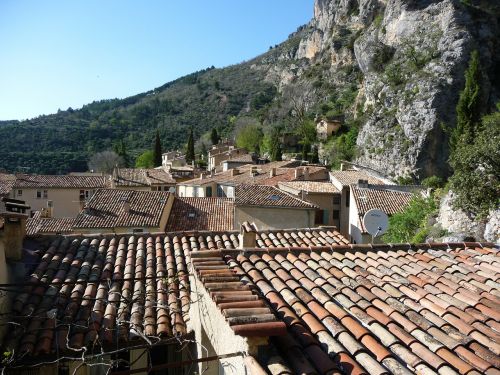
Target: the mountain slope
(393, 68)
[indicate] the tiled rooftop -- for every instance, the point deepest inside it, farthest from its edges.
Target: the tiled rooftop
(213, 214)
(101, 292)
(267, 196)
(389, 201)
(379, 310)
(6, 183)
(349, 177)
(141, 177)
(63, 181)
(106, 209)
(40, 225)
(260, 174)
(310, 186)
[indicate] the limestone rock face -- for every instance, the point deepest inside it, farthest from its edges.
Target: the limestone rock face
(407, 59)
(461, 227)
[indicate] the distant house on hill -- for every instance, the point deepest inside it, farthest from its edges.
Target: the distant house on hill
(326, 127)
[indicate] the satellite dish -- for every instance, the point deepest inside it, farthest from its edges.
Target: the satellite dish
(376, 222)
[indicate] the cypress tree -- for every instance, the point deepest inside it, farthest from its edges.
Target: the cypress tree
(276, 152)
(190, 147)
(214, 136)
(468, 107)
(157, 150)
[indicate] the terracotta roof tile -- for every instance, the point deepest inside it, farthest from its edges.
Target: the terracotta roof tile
(106, 209)
(99, 285)
(213, 214)
(310, 186)
(39, 225)
(60, 181)
(267, 196)
(350, 177)
(140, 177)
(389, 201)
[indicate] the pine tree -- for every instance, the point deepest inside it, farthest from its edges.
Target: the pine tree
(469, 105)
(190, 147)
(276, 152)
(214, 136)
(157, 151)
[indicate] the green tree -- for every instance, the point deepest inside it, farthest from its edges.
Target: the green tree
(476, 177)
(214, 136)
(190, 147)
(469, 105)
(410, 226)
(250, 137)
(121, 150)
(157, 150)
(145, 160)
(307, 133)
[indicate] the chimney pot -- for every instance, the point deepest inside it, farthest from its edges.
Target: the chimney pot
(272, 173)
(247, 237)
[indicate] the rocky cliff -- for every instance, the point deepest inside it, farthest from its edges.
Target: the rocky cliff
(404, 60)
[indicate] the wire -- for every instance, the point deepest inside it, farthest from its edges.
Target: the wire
(179, 363)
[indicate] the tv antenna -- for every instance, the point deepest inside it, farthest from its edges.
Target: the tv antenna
(376, 222)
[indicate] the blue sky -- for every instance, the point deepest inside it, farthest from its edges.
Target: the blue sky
(65, 53)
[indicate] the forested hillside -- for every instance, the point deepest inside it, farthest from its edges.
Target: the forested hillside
(392, 70)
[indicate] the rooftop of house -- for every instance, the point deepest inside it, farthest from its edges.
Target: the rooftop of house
(109, 208)
(351, 176)
(261, 174)
(7, 182)
(389, 201)
(329, 307)
(39, 225)
(310, 186)
(141, 177)
(213, 214)
(35, 181)
(245, 158)
(430, 308)
(267, 196)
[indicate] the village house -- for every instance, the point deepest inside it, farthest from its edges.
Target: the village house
(207, 213)
(56, 196)
(173, 159)
(293, 301)
(222, 184)
(326, 127)
(143, 179)
(268, 207)
(119, 211)
(238, 161)
(323, 194)
(342, 180)
(389, 199)
(216, 157)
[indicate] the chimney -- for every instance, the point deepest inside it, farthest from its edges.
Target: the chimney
(298, 172)
(306, 173)
(248, 236)
(272, 172)
(342, 166)
(202, 176)
(12, 235)
(363, 183)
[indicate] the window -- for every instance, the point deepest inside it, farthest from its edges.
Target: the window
(19, 193)
(347, 198)
(336, 214)
(318, 217)
(336, 199)
(38, 194)
(137, 230)
(209, 191)
(45, 194)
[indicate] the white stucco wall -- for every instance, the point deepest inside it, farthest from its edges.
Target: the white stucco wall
(213, 334)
